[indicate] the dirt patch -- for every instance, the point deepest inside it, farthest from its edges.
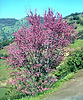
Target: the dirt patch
(78, 74)
(71, 90)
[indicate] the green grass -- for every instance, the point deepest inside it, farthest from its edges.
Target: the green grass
(80, 27)
(81, 17)
(2, 92)
(78, 43)
(3, 71)
(3, 51)
(3, 76)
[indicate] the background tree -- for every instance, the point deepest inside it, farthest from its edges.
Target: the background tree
(76, 17)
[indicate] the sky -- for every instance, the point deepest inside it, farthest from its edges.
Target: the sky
(19, 8)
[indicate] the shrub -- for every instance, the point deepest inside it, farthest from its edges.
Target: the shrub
(78, 21)
(13, 94)
(82, 15)
(63, 70)
(80, 34)
(72, 22)
(76, 17)
(81, 22)
(1, 55)
(6, 42)
(76, 27)
(75, 61)
(4, 55)
(71, 19)
(37, 52)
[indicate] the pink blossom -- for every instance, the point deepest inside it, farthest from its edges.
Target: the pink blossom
(27, 92)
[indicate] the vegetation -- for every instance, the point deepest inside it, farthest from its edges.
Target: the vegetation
(3, 55)
(64, 70)
(73, 14)
(13, 93)
(78, 43)
(5, 43)
(75, 61)
(37, 52)
(7, 22)
(7, 27)
(76, 17)
(77, 20)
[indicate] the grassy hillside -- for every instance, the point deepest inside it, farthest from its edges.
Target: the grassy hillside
(78, 43)
(7, 22)
(76, 19)
(8, 26)
(6, 30)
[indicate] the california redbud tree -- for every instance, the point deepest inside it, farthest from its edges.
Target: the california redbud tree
(37, 51)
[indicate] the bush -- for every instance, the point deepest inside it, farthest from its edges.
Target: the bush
(75, 61)
(13, 94)
(81, 22)
(4, 55)
(80, 34)
(63, 70)
(37, 52)
(72, 22)
(75, 27)
(1, 55)
(71, 19)
(6, 42)
(75, 17)
(78, 21)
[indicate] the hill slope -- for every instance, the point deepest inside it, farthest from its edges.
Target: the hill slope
(7, 22)
(8, 26)
(77, 19)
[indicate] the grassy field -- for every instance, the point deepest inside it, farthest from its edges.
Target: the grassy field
(3, 71)
(3, 74)
(2, 92)
(3, 51)
(3, 77)
(78, 43)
